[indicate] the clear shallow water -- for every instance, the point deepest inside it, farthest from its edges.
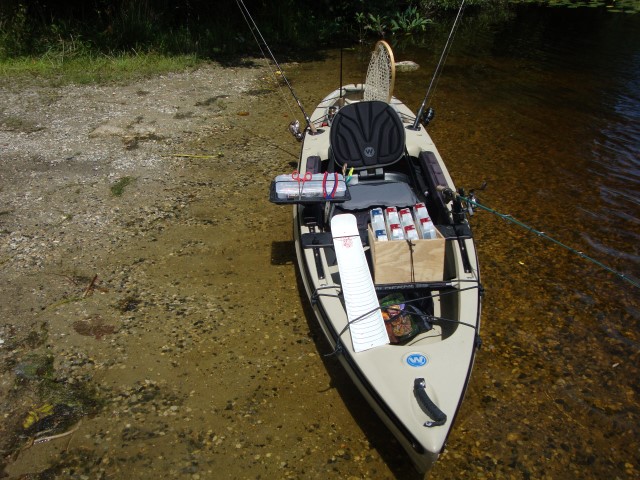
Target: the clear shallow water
(544, 107)
(221, 374)
(553, 106)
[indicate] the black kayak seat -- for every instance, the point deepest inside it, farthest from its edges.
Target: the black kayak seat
(367, 136)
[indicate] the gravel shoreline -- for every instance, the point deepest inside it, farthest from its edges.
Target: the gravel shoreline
(63, 148)
(88, 179)
(152, 322)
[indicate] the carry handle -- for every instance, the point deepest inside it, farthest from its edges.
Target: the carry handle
(438, 417)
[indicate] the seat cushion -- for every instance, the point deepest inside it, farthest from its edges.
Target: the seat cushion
(379, 194)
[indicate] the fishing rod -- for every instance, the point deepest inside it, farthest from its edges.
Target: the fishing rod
(341, 102)
(294, 127)
(436, 75)
(470, 200)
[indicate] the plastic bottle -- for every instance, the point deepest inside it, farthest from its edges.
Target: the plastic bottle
(406, 219)
(410, 232)
(377, 219)
(420, 211)
(391, 216)
(381, 235)
(378, 225)
(427, 228)
(395, 231)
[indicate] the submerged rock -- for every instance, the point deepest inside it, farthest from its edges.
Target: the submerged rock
(407, 66)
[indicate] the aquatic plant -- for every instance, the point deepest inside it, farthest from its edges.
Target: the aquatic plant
(117, 189)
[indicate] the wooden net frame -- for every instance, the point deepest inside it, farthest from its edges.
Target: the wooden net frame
(381, 74)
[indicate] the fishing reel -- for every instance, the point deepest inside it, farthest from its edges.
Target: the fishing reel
(472, 201)
(294, 129)
(471, 204)
(462, 203)
(427, 116)
(423, 115)
(331, 114)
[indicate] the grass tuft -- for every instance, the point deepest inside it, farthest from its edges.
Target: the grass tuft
(117, 189)
(56, 68)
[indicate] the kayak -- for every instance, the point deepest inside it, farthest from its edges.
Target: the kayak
(388, 262)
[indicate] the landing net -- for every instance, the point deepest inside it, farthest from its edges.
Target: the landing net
(381, 74)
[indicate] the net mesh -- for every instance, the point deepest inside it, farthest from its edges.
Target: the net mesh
(381, 74)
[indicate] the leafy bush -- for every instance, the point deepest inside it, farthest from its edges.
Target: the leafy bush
(408, 22)
(15, 32)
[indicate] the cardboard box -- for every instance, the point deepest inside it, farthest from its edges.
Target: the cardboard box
(392, 260)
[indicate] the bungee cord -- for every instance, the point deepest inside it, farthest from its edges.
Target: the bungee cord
(339, 347)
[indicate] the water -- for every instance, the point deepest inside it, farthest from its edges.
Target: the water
(544, 107)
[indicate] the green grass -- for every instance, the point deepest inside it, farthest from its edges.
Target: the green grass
(60, 69)
(117, 189)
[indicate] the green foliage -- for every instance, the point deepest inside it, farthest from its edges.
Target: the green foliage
(438, 5)
(407, 22)
(134, 25)
(377, 24)
(15, 32)
(63, 32)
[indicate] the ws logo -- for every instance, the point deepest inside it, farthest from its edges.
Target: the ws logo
(416, 360)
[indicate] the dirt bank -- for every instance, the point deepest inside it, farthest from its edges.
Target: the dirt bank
(151, 319)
